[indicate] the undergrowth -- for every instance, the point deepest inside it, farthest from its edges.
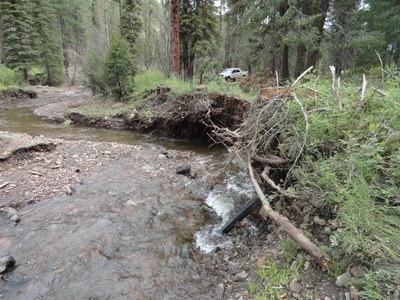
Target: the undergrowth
(350, 169)
(8, 78)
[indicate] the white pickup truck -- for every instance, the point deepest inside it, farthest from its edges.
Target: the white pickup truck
(232, 73)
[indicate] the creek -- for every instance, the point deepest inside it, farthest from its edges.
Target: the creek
(134, 230)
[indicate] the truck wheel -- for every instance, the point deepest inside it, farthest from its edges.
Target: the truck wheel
(228, 78)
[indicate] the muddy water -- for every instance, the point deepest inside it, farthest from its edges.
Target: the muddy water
(131, 231)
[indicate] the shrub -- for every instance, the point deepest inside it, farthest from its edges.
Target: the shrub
(119, 69)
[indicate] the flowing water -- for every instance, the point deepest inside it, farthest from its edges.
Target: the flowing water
(131, 231)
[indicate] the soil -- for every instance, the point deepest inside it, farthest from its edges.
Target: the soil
(15, 94)
(42, 168)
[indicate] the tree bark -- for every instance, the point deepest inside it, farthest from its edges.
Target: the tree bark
(175, 38)
(296, 234)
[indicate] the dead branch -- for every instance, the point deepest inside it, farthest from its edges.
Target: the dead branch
(301, 76)
(296, 234)
(336, 87)
(277, 78)
(304, 137)
(271, 160)
(382, 69)
(267, 179)
(380, 92)
(362, 101)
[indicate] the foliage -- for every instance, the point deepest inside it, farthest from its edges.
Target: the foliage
(131, 24)
(8, 78)
(350, 165)
(118, 66)
(273, 275)
(20, 40)
(51, 56)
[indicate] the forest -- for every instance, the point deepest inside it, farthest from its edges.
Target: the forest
(319, 131)
(52, 42)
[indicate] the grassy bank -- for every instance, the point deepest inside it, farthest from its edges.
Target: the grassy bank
(349, 173)
(150, 80)
(8, 79)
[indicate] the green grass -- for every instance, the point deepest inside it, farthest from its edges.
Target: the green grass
(8, 78)
(220, 85)
(274, 278)
(149, 80)
(351, 167)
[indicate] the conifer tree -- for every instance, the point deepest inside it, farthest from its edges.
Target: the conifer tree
(198, 34)
(131, 24)
(20, 38)
(47, 25)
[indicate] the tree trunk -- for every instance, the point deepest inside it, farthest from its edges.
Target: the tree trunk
(300, 60)
(64, 46)
(314, 54)
(175, 39)
(25, 72)
(285, 63)
(148, 55)
(107, 32)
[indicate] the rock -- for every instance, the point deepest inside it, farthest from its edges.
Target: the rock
(163, 151)
(242, 275)
(184, 169)
(220, 290)
(10, 211)
(344, 279)
(327, 298)
(395, 295)
(353, 293)
(347, 296)
(6, 263)
(69, 190)
(294, 285)
(357, 271)
(319, 221)
(327, 230)
(15, 218)
(296, 295)
(306, 265)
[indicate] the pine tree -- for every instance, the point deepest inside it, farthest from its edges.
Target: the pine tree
(47, 25)
(131, 23)
(198, 35)
(20, 38)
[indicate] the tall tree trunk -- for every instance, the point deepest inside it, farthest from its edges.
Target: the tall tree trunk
(314, 54)
(300, 60)
(105, 12)
(175, 38)
(285, 53)
(148, 50)
(64, 46)
(285, 63)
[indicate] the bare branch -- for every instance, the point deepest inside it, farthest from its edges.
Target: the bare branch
(302, 75)
(362, 102)
(336, 87)
(295, 233)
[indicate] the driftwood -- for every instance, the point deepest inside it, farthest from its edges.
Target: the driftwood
(296, 234)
